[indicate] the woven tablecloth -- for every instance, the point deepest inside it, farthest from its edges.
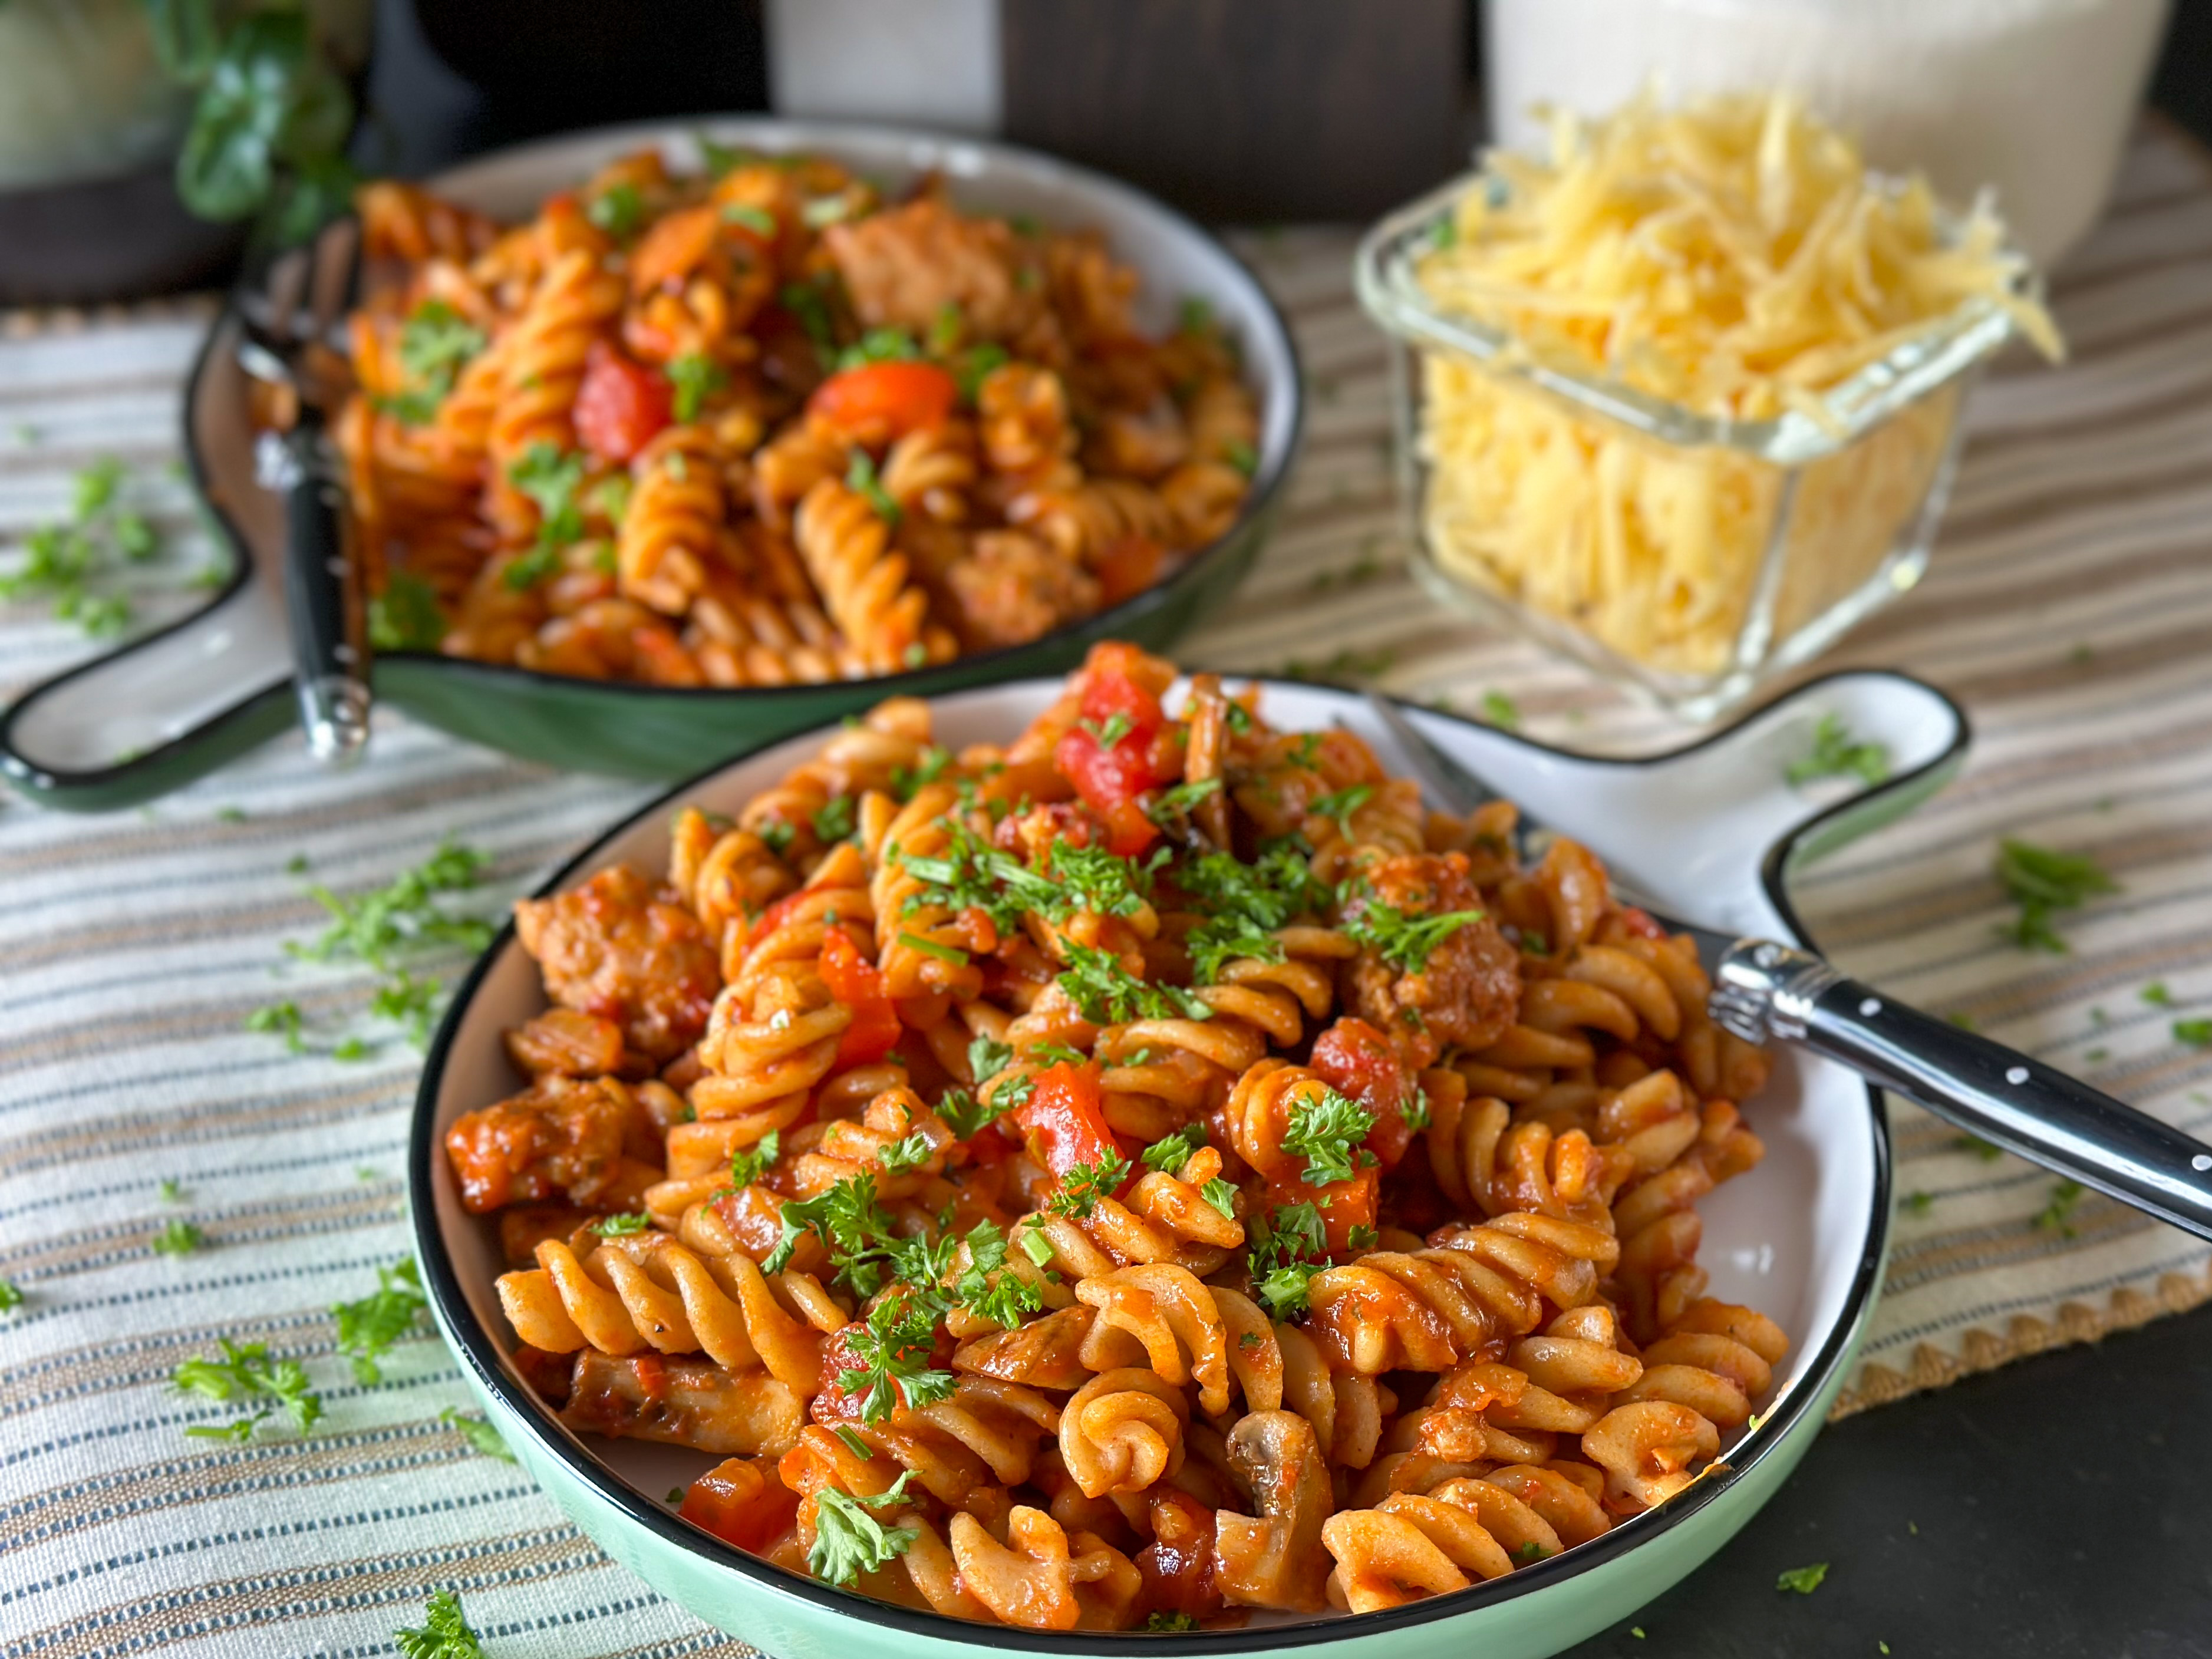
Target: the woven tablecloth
(2069, 607)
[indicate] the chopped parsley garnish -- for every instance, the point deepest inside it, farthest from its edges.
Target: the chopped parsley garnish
(987, 1057)
(12, 1296)
(1179, 802)
(1081, 1188)
(851, 1225)
(1530, 1553)
(879, 345)
(758, 220)
(403, 915)
(1327, 1128)
(900, 1156)
(1221, 1195)
(247, 1374)
(987, 1292)
(860, 479)
(1803, 1580)
(2154, 993)
(893, 1347)
(1283, 1240)
(968, 1115)
(748, 1164)
(1244, 904)
(434, 342)
(975, 366)
(406, 1000)
(1341, 805)
(1837, 754)
(907, 782)
(1093, 879)
(549, 476)
(1361, 1238)
(695, 377)
(775, 834)
(281, 1017)
(618, 210)
(178, 1237)
(1501, 711)
(835, 820)
(1107, 993)
(848, 1540)
(483, 1439)
(368, 1328)
(172, 1191)
(406, 616)
(1403, 941)
(443, 1634)
(1414, 1109)
(853, 1444)
(66, 559)
(1242, 456)
(1108, 734)
(1172, 1622)
(627, 1225)
(2040, 881)
(1170, 1153)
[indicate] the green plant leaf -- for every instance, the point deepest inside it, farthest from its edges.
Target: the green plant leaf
(227, 168)
(185, 36)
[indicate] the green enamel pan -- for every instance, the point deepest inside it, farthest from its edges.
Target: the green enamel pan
(177, 703)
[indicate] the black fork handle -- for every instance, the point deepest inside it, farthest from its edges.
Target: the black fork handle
(1765, 989)
(323, 599)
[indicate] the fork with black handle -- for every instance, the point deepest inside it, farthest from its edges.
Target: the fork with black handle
(1764, 990)
(286, 308)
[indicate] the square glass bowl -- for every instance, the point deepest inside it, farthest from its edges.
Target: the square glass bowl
(1688, 557)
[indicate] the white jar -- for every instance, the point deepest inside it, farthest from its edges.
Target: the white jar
(2030, 98)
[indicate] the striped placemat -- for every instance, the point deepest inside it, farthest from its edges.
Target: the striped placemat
(2068, 608)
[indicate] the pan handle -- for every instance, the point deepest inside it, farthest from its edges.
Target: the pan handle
(163, 710)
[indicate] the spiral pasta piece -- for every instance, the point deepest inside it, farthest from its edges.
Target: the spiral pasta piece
(1427, 1309)
(651, 1293)
(864, 583)
(671, 534)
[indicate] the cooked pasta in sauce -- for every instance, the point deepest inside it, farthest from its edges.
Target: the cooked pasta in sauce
(759, 425)
(1145, 1172)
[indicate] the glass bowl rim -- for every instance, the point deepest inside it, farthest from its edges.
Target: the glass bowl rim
(1384, 278)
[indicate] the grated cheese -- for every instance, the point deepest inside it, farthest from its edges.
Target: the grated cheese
(1733, 257)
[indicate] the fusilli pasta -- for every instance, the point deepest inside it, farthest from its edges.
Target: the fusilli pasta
(1143, 1173)
(587, 444)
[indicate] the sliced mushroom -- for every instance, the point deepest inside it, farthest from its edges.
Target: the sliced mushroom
(1276, 1559)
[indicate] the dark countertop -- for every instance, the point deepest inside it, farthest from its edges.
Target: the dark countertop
(2058, 1508)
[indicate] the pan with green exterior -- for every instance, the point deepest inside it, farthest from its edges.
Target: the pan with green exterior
(177, 703)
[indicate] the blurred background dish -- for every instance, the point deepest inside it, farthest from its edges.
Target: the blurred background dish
(179, 701)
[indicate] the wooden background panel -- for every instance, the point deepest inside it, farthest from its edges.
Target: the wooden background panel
(1247, 111)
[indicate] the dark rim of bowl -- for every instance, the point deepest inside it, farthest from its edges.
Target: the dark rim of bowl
(482, 1350)
(1259, 501)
